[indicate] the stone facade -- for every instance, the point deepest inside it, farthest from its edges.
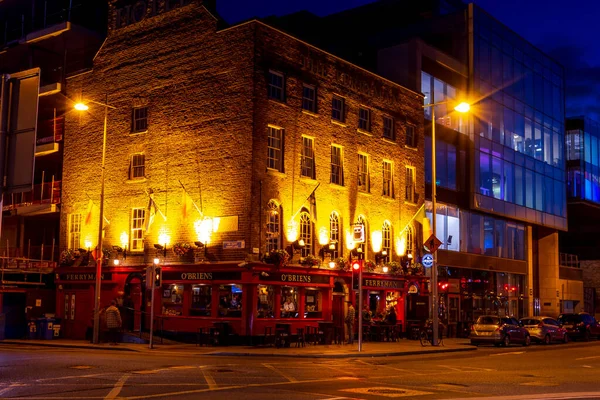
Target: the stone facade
(205, 90)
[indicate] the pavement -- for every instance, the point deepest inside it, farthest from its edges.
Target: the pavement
(403, 347)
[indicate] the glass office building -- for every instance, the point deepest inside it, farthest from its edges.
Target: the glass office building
(583, 159)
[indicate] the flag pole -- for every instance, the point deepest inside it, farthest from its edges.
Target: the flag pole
(304, 202)
(192, 200)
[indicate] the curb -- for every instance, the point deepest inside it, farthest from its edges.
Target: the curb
(69, 346)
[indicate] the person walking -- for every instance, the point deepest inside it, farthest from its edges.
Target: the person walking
(350, 322)
(113, 322)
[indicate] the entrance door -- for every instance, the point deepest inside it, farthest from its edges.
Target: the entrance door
(78, 313)
(13, 307)
(453, 313)
(338, 310)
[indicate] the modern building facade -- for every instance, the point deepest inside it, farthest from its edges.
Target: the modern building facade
(226, 146)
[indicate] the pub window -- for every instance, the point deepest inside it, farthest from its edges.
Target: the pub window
(363, 173)
(276, 85)
(334, 233)
(337, 166)
(275, 149)
(172, 297)
(386, 247)
(411, 140)
(74, 231)
(201, 300)
(308, 158)
(230, 301)
(306, 234)
(309, 98)
(388, 187)
(409, 182)
(139, 119)
(364, 119)
(137, 229)
(313, 303)
(266, 302)
(137, 166)
(273, 226)
(363, 246)
(388, 128)
(337, 109)
(289, 302)
(410, 240)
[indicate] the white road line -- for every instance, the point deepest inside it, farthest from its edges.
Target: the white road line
(9, 388)
(587, 358)
(280, 372)
(586, 366)
(505, 354)
(118, 387)
(75, 376)
(209, 379)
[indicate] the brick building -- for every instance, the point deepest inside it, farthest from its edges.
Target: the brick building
(237, 141)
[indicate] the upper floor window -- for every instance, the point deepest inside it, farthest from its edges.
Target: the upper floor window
(309, 98)
(306, 234)
(275, 149)
(409, 182)
(276, 85)
(137, 168)
(364, 119)
(334, 233)
(410, 240)
(75, 231)
(337, 109)
(308, 158)
(363, 173)
(139, 119)
(273, 226)
(386, 243)
(388, 128)
(137, 229)
(337, 167)
(388, 188)
(411, 140)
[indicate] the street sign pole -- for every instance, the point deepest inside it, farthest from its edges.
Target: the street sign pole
(153, 269)
(434, 288)
(359, 307)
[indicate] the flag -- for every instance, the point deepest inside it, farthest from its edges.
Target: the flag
(150, 213)
(187, 204)
(88, 215)
(313, 207)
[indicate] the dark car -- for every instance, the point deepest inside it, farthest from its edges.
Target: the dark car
(498, 331)
(580, 325)
(544, 329)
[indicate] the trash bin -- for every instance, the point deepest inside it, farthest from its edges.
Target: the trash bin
(46, 328)
(32, 329)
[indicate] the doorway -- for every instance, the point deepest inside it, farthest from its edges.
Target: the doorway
(13, 307)
(78, 314)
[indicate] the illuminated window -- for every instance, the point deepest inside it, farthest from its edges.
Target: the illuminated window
(337, 167)
(137, 168)
(309, 98)
(265, 306)
(74, 231)
(275, 149)
(409, 182)
(137, 229)
(364, 119)
(139, 120)
(334, 233)
(388, 128)
(306, 233)
(337, 109)
(411, 140)
(363, 246)
(276, 88)
(410, 240)
(363, 173)
(386, 244)
(273, 226)
(308, 158)
(388, 187)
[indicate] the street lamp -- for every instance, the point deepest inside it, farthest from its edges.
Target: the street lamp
(462, 108)
(84, 107)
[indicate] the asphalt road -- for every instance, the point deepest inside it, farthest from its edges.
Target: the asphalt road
(535, 372)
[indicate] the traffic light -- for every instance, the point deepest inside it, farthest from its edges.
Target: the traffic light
(356, 265)
(158, 277)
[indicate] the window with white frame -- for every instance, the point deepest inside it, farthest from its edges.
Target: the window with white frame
(411, 140)
(308, 158)
(137, 229)
(363, 173)
(275, 149)
(361, 220)
(388, 187)
(273, 226)
(309, 98)
(306, 234)
(337, 108)
(137, 167)
(337, 166)
(139, 119)
(386, 243)
(410, 240)
(388, 128)
(409, 182)
(74, 231)
(276, 85)
(334, 233)
(364, 119)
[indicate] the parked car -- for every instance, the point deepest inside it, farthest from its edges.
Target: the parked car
(580, 325)
(498, 331)
(545, 330)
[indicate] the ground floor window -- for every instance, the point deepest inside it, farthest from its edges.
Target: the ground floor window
(289, 302)
(201, 300)
(230, 301)
(313, 303)
(266, 301)
(172, 300)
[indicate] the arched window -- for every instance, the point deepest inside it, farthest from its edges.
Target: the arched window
(410, 240)
(363, 246)
(334, 233)
(306, 233)
(386, 243)
(273, 226)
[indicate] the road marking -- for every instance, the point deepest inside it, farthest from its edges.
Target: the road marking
(539, 383)
(538, 396)
(9, 388)
(184, 367)
(118, 387)
(587, 358)
(209, 379)
(586, 366)
(411, 372)
(467, 369)
(505, 354)
(387, 391)
(81, 367)
(279, 371)
(75, 376)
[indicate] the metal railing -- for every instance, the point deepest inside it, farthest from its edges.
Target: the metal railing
(51, 130)
(568, 260)
(44, 193)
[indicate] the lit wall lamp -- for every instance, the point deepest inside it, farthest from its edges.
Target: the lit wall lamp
(295, 247)
(356, 253)
(160, 247)
(201, 245)
(328, 249)
(381, 257)
(120, 250)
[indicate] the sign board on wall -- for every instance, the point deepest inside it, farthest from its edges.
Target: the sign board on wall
(234, 244)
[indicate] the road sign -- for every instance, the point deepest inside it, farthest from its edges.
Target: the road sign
(359, 233)
(432, 244)
(427, 260)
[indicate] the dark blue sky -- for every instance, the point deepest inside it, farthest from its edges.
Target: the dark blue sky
(567, 31)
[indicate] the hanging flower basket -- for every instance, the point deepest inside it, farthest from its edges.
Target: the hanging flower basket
(310, 261)
(394, 267)
(67, 258)
(180, 249)
(342, 264)
(278, 258)
(370, 266)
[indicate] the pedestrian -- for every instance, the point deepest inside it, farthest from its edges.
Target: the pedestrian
(392, 318)
(113, 322)
(350, 322)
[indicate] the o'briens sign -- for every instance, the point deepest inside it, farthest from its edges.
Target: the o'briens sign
(130, 12)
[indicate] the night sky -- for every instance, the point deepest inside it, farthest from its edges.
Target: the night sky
(567, 31)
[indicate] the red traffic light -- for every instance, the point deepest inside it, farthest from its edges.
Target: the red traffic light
(356, 265)
(443, 285)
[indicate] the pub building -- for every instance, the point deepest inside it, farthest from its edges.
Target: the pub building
(224, 145)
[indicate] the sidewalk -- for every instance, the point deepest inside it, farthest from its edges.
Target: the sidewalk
(370, 349)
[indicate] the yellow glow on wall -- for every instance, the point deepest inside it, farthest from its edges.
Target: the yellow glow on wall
(124, 239)
(164, 237)
(87, 244)
(401, 246)
(292, 231)
(349, 241)
(376, 239)
(204, 229)
(323, 236)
